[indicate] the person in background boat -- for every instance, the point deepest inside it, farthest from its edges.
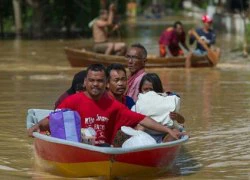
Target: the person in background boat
(206, 33)
(136, 59)
(173, 41)
(152, 82)
(117, 84)
(101, 112)
(100, 34)
(76, 86)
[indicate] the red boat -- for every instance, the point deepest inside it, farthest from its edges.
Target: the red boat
(72, 159)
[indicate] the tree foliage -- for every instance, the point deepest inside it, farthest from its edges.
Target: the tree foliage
(43, 18)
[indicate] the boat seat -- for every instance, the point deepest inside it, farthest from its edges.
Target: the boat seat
(36, 115)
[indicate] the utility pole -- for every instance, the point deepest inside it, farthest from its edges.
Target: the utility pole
(243, 16)
(18, 17)
(1, 19)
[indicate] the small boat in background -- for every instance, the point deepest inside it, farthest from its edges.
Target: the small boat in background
(82, 58)
(72, 159)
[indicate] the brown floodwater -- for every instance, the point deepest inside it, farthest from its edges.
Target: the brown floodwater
(215, 103)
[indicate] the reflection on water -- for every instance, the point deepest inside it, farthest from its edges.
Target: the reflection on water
(215, 103)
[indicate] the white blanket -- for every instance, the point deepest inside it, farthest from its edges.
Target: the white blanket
(157, 106)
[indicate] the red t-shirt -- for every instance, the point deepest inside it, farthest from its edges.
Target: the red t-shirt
(171, 39)
(61, 98)
(106, 115)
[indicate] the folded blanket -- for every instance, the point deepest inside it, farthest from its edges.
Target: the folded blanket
(157, 106)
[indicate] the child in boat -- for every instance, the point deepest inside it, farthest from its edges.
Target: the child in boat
(160, 106)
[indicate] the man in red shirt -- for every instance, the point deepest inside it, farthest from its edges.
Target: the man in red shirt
(104, 114)
(171, 39)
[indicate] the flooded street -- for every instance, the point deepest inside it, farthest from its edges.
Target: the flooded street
(215, 103)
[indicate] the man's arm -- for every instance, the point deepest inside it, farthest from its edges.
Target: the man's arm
(109, 22)
(184, 48)
(42, 125)
(151, 124)
(126, 117)
(169, 54)
(111, 14)
(68, 103)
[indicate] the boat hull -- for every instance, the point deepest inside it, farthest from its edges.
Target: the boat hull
(72, 159)
(83, 58)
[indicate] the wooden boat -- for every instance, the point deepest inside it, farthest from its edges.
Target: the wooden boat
(83, 58)
(73, 159)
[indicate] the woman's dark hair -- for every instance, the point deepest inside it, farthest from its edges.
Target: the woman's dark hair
(177, 23)
(77, 82)
(154, 79)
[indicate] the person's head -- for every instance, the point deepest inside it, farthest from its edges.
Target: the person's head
(207, 21)
(117, 79)
(178, 27)
(150, 82)
(77, 82)
(103, 14)
(136, 56)
(95, 81)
